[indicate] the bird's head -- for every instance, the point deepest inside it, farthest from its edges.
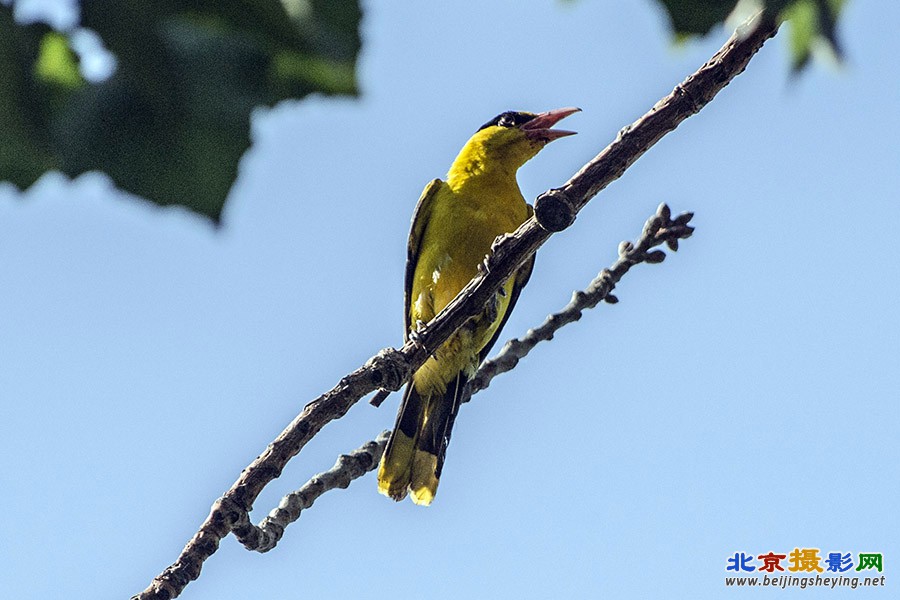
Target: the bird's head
(509, 140)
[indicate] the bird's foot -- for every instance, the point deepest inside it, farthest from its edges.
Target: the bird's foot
(415, 337)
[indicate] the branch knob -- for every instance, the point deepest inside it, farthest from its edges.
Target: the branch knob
(554, 210)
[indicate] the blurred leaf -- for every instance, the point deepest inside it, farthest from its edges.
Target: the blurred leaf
(56, 63)
(802, 15)
(25, 147)
(811, 21)
(696, 17)
(172, 122)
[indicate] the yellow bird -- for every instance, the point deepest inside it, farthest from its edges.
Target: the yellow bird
(453, 227)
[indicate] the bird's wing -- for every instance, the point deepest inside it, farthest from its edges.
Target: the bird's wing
(522, 276)
(420, 218)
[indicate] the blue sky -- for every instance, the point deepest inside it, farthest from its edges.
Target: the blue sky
(742, 396)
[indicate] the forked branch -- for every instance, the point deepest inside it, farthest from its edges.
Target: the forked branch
(659, 229)
(391, 368)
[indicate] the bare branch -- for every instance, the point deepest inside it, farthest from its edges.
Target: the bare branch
(390, 368)
(659, 229)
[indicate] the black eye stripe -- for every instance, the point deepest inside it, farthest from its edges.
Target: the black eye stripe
(509, 119)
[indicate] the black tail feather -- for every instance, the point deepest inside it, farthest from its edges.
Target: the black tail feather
(441, 411)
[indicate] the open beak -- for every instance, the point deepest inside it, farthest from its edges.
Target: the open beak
(539, 128)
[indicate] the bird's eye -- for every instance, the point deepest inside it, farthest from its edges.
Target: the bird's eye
(507, 119)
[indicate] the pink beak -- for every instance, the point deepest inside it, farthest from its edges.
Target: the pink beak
(539, 128)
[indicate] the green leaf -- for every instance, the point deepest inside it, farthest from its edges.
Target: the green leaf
(696, 17)
(812, 22)
(56, 63)
(26, 150)
(802, 15)
(173, 121)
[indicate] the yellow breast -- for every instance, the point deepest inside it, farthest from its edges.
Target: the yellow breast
(463, 225)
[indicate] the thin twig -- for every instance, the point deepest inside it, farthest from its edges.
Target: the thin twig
(348, 467)
(391, 368)
(659, 229)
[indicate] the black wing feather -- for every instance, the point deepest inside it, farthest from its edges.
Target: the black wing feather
(420, 219)
(522, 276)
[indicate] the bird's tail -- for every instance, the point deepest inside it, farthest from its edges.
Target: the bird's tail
(395, 471)
(414, 456)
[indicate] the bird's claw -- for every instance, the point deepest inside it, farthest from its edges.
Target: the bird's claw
(415, 337)
(484, 267)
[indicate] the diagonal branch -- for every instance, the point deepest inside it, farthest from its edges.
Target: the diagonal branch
(658, 230)
(390, 368)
